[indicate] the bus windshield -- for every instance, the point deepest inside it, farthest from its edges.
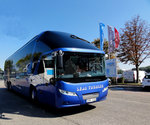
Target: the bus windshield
(80, 65)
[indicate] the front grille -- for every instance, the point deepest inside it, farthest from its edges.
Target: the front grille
(90, 96)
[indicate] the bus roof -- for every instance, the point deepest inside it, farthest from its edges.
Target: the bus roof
(55, 39)
(61, 41)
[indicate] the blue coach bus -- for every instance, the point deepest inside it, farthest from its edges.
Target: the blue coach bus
(58, 69)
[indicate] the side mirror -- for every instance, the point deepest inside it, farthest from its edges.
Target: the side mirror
(60, 60)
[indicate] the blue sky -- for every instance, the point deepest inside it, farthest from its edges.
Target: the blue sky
(21, 20)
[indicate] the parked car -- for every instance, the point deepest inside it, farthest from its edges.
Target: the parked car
(146, 81)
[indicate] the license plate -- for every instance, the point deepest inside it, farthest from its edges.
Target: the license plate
(91, 100)
(90, 96)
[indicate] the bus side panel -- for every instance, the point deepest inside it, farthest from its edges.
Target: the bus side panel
(45, 90)
(17, 67)
(25, 86)
(46, 94)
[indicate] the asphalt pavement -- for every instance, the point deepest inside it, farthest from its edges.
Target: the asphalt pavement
(123, 106)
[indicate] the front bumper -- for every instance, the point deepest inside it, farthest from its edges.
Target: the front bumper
(69, 101)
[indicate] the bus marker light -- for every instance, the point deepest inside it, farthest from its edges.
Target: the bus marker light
(105, 89)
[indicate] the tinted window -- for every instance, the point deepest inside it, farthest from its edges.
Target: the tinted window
(22, 58)
(9, 68)
(147, 77)
(41, 68)
(40, 49)
(49, 63)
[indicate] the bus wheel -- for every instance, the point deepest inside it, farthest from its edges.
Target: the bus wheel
(9, 85)
(33, 95)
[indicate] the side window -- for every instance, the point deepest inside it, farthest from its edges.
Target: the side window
(49, 63)
(40, 48)
(41, 68)
(147, 77)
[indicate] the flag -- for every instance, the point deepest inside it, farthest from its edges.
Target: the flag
(111, 46)
(117, 39)
(101, 26)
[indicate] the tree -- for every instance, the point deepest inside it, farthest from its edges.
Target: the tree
(1, 70)
(96, 42)
(135, 43)
(120, 71)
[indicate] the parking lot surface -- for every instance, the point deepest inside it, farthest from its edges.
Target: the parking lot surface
(123, 106)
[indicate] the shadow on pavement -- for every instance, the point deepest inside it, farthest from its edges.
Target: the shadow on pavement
(14, 103)
(134, 88)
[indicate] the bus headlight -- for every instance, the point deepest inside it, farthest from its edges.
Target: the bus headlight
(67, 92)
(105, 89)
